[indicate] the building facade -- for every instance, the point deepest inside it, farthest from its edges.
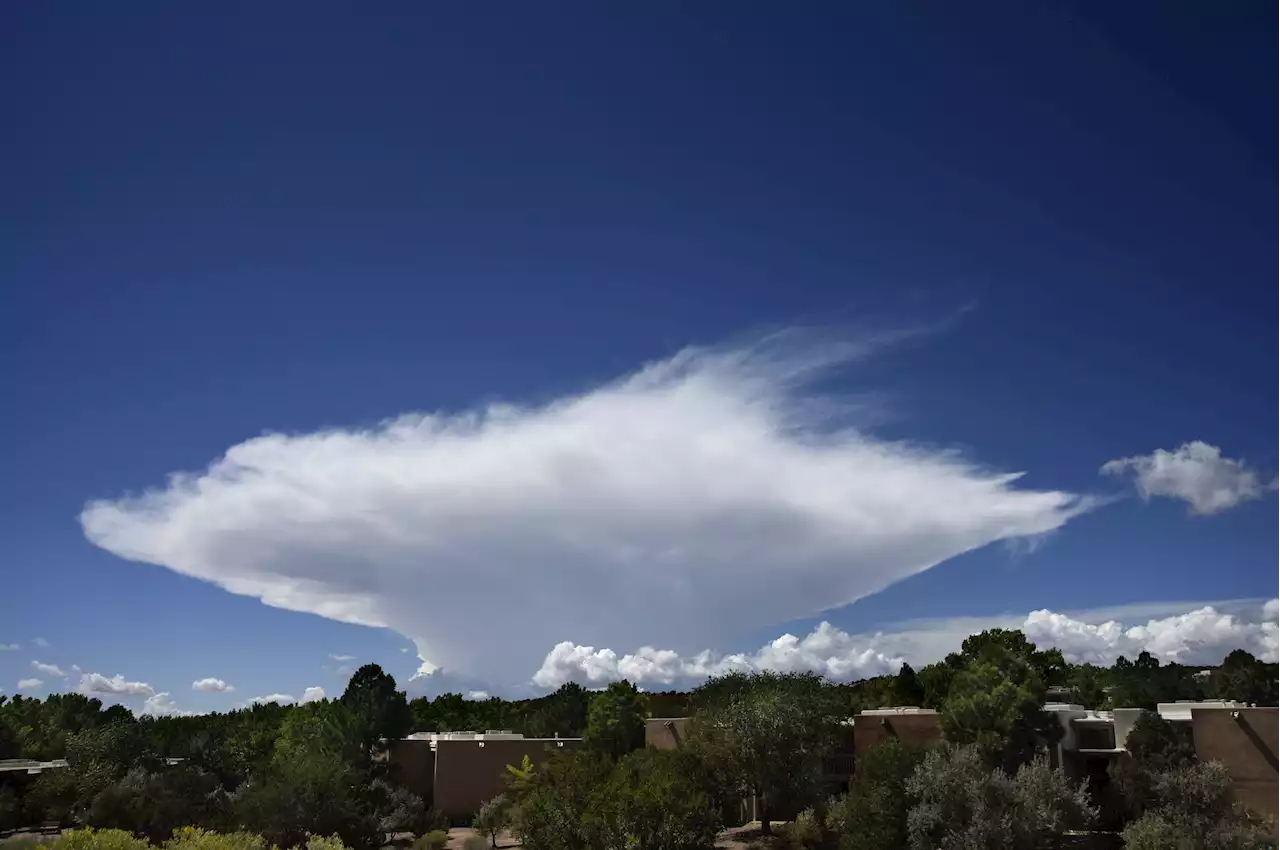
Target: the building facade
(456, 772)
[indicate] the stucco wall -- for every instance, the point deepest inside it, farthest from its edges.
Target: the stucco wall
(872, 729)
(1247, 746)
(664, 733)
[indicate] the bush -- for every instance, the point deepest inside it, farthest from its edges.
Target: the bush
(961, 804)
(400, 810)
(99, 839)
(806, 832)
(155, 804)
(325, 842)
(873, 814)
(52, 797)
(308, 794)
(436, 839)
(195, 838)
(1195, 805)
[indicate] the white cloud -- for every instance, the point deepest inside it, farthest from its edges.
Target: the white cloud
(211, 685)
(96, 684)
(280, 698)
(41, 642)
(342, 657)
(47, 669)
(75, 668)
(163, 705)
(1188, 634)
(29, 684)
(717, 487)
(1201, 636)
(8, 647)
(1196, 473)
(313, 694)
(477, 695)
(826, 650)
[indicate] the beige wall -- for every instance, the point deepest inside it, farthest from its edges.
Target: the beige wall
(664, 733)
(1246, 744)
(872, 729)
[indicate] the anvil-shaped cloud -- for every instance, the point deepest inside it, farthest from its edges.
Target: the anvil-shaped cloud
(705, 494)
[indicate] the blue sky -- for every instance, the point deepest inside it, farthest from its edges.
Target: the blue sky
(1020, 240)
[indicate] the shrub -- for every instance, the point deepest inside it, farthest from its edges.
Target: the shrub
(155, 804)
(100, 839)
(399, 809)
(308, 794)
(873, 814)
(1194, 803)
(806, 832)
(436, 839)
(52, 797)
(325, 842)
(960, 804)
(195, 838)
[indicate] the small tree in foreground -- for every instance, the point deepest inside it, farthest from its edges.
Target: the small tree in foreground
(492, 818)
(764, 735)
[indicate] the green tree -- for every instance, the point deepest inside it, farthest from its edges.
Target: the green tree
(873, 814)
(493, 817)
(960, 803)
(995, 704)
(155, 803)
(615, 722)
(1194, 808)
(908, 687)
(380, 712)
(1243, 677)
(305, 793)
(1088, 685)
(765, 735)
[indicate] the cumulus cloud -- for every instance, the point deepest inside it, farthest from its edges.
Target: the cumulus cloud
(1196, 473)
(47, 669)
(211, 685)
(313, 694)
(163, 705)
(29, 684)
(477, 695)
(8, 647)
(96, 684)
(719, 487)
(826, 650)
(342, 657)
(41, 642)
(1201, 636)
(280, 698)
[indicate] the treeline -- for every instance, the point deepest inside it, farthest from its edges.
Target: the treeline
(286, 772)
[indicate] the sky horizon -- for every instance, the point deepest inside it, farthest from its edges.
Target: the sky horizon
(583, 344)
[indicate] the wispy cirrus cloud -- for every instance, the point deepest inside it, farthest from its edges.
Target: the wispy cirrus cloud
(1195, 473)
(720, 487)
